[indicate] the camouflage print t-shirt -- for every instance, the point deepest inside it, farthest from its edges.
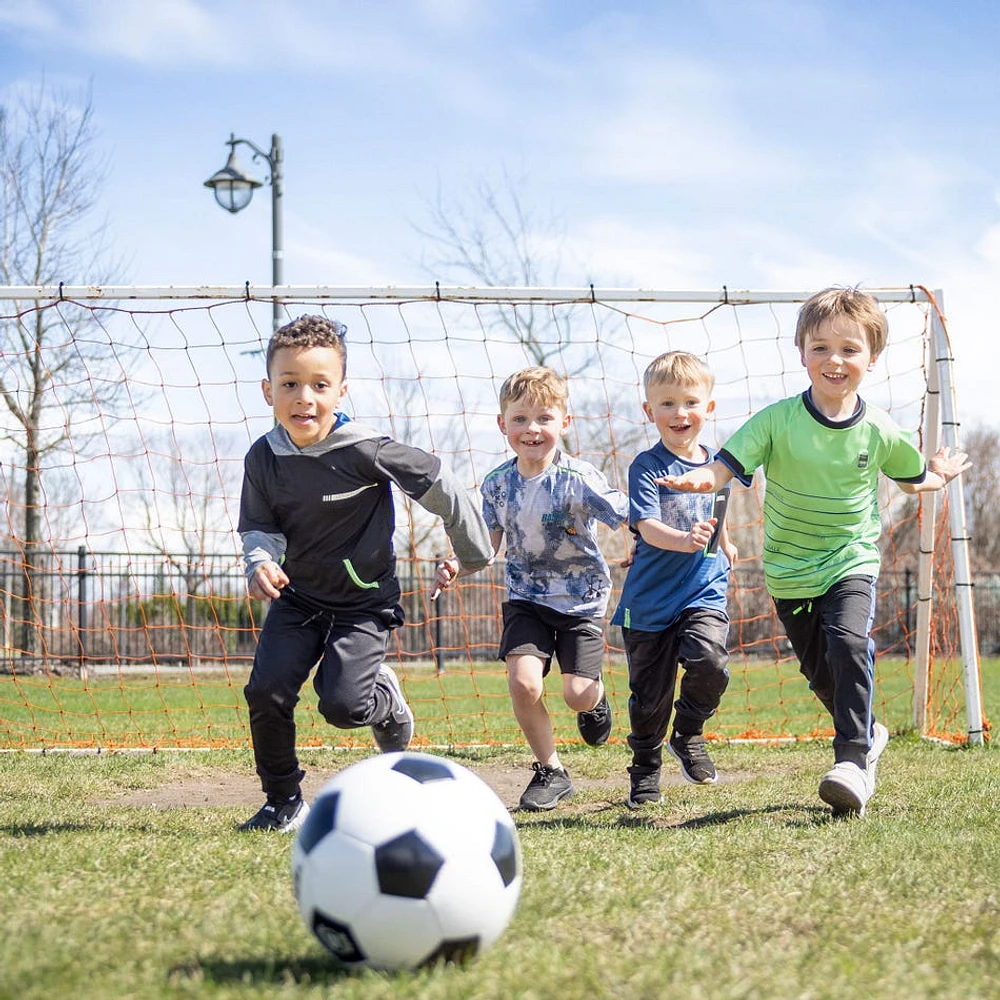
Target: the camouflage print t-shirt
(550, 524)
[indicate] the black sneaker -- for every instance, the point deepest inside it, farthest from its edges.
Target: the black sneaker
(696, 765)
(280, 815)
(547, 788)
(595, 725)
(644, 788)
(393, 734)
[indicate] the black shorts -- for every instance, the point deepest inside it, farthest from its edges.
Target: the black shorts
(576, 641)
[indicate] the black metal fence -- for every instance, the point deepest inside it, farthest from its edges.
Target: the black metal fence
(71, 609)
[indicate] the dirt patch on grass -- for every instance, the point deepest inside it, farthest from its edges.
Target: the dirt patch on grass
(189, 789)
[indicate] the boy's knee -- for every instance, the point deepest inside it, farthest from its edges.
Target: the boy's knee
(580, 693)
(343, 715)
(842, 644)
(263, 697)
(524, 688)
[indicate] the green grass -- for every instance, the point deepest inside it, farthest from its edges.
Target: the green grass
(461, 707)
(743, 890)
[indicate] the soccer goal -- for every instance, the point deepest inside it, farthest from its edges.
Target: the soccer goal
(125, 620)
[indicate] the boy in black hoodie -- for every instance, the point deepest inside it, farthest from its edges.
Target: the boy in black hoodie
(316, 520)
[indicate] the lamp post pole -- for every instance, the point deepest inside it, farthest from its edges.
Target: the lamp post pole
(277, 224)
(234, 188)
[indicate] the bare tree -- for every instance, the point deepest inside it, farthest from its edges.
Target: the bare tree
(981, 488)
(190, 507)
(489, 237)
(54, 361)
(408, 406)
(982, 496)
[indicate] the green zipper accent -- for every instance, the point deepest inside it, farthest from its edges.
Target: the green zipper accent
(628, 618)
(358, 582)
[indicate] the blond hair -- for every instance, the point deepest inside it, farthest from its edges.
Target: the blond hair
(678, 368)
(851, 303)
(537, 386)
(309, 331)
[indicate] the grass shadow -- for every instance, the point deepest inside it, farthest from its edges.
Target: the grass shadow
(301, 970)
(797, 815)
(43, 829)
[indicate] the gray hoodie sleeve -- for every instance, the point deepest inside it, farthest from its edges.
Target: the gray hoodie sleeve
(463, 520)
(260, 547)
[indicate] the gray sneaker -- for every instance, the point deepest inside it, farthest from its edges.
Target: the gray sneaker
(696, 765)
(547, 788)
(394, 733)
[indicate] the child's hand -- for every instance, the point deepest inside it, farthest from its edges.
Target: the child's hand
(948, 466)
(267, 581)
(700, 535)
(695, 481)
(445, 574)
(630, 558)
(730, 550)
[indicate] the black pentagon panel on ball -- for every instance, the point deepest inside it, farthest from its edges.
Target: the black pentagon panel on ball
(407, 866)
(423, 769)
(321, 820)
(504, 853)
(337, 939)
(457, 951)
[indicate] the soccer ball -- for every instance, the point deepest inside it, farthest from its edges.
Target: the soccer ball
(406, 859)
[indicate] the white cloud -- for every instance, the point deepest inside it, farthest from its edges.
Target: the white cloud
(34, 16)
(617, 253)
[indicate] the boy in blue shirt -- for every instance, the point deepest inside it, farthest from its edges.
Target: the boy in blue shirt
(673, 604)
(548, 505)
(822, 452)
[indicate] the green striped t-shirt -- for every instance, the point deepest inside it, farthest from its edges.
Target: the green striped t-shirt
(821, 517)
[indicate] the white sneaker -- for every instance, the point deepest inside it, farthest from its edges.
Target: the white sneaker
(845, 789)
(880, 737)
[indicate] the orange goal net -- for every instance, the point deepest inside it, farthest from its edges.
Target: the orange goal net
(124, 618)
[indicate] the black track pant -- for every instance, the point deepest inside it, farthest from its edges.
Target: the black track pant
(697, 641)
(346, 653)
(831, 637)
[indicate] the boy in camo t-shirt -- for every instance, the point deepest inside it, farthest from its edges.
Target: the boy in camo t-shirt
(548, 505)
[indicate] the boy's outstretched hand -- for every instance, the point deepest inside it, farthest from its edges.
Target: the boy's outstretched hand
(695, 481)
(948, 466)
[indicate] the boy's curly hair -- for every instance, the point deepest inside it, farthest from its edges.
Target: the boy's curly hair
(309, 331)
(852, 303)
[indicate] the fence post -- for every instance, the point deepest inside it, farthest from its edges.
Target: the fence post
(439, 633)
(908, 598)
(81, 608)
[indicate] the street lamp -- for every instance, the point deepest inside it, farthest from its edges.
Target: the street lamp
(234, 188)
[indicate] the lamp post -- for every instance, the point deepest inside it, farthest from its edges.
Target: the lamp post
(234, 188)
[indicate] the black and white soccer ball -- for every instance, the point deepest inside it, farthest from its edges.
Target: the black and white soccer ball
(406, 859)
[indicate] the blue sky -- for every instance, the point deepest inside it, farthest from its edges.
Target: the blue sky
(764, 145)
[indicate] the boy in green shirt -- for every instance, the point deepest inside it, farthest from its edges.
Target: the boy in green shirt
(822, 452)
